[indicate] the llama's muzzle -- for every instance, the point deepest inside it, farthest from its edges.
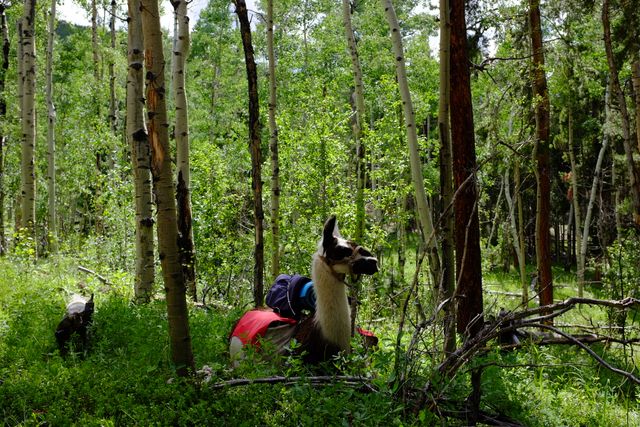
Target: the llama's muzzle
(365, 265)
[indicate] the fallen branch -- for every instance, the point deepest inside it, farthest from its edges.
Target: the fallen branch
(512, 321)
(93, 273)
(317, 380)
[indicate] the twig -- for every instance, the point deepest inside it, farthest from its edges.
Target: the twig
(592, 353)
(93, 273)
(317, 380)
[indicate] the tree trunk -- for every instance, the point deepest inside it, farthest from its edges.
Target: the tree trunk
(596, 180)
(359, 122)
(523, 255)
(513, 227)
(635, 78)
(140, 156)
(542, 156)
(423, 207)
(576, 205)
(632, 170)
(28, 182)
(254, 147)
(178, 316)
(51, 136)
(94, 41)
(113, 106)
(183, 194)
(467, 226)
(447, 283)
(4, 67)
(273, 146)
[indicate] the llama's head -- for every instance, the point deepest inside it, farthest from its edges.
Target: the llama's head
(345, 256)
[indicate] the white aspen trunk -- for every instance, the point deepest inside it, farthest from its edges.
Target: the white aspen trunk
(515, 238)
(273, 146)
(94, 39)
(359, 123)
(523, 264)
(141, 158)
(576, 206)
(29, 121)
(51, 136)
(180, 51)
(595, 184)
(4, 31)
(161, 166)
(424, 209)
(496, 211)
(113, 106)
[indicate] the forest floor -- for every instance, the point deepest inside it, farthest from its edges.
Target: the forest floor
(126, 378)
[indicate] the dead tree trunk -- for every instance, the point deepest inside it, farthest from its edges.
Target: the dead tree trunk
(254, 147)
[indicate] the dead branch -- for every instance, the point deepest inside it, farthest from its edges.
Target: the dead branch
(104, 280)
(362, 382)
(511, 321)
(586, 348)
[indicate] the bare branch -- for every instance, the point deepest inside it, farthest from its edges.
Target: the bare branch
(317, 380)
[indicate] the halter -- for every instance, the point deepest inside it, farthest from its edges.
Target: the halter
(348, 261)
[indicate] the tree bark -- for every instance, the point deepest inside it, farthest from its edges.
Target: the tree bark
(113, 106)
(575, 200)
(51, 136)
(425, 214)
(635, 78)
(632, 170)
(183, 193)
(4, 67)
(254, 148)
(447, 283)
(359, 122)
(513, 227)
(178, 316)
(542, 157)
(467, 226)
(140, 156)
(273, 146)
(596, 182)
(28, 183)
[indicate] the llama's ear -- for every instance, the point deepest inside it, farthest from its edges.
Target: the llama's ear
(328, 236)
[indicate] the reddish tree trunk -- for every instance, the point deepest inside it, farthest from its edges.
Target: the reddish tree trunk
(467, 228)
(543, 166)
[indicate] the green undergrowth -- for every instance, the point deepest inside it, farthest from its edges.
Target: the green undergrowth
(126, 377)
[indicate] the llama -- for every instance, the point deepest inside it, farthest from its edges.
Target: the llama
(77, 319)
(326, 332)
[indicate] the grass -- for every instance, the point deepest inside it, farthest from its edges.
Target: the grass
(127, 379)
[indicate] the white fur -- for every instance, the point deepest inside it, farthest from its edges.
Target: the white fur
(76, 305)
(333, 314)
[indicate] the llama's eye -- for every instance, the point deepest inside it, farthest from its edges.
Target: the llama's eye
(341, 252)
(364, 252)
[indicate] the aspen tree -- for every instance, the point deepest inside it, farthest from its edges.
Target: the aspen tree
(161, 168)
(4, 66)
(183, 193)
(51, 135)
(359, 122)
(423, 206)
(273, 146)
(28, 60)
(141, 157)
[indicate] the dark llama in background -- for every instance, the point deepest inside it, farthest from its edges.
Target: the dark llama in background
(76, 323)
(325, 332)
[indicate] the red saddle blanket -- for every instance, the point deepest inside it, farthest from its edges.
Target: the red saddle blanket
(254, 324)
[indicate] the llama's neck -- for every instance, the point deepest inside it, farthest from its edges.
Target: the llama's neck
(333, 315)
